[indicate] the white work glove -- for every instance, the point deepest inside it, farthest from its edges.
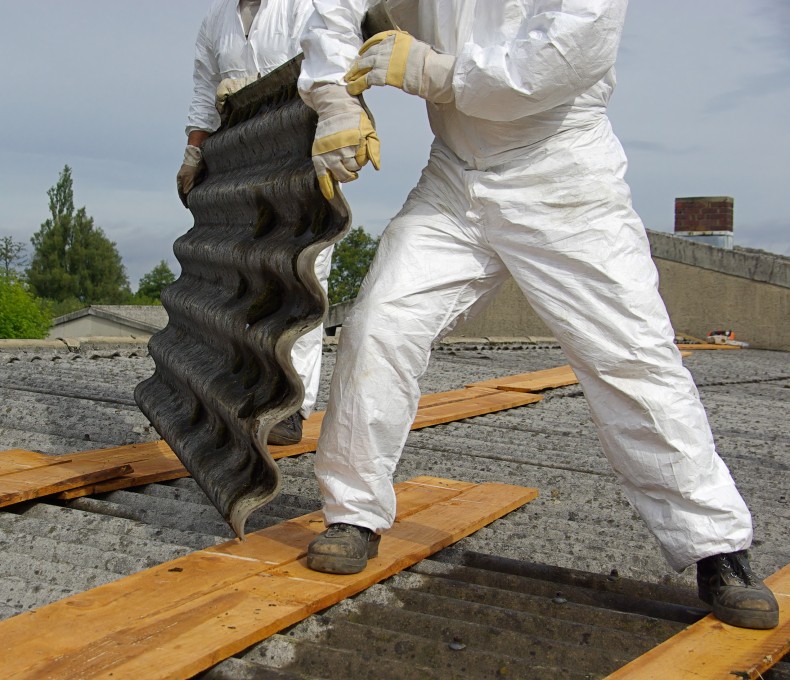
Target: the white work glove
(230, 86)
(345, 138)
(396, 58)
(191, 172)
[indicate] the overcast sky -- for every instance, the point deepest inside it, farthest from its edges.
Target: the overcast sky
(701, 107)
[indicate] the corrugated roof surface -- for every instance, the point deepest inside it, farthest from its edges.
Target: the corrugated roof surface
(477, 609)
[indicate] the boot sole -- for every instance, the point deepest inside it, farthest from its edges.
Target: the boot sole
(281, 441)
(746, 619)
(330, 564)
(333, 564)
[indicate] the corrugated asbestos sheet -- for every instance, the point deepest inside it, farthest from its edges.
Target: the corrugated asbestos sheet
(246, 292)
(531, 596)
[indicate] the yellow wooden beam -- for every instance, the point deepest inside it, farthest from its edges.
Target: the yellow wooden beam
(181, 617)
(534, 381)
(712, 650)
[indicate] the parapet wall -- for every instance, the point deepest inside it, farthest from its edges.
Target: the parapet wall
(704, 288)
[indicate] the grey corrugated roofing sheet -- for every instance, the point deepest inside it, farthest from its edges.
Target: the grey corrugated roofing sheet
(477, 609)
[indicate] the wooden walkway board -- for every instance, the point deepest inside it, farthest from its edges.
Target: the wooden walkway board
(152, 462)
(156, 462)
(532, 382)
(466, 403)
(181, 617)
(712, 650)
(706, 345)
(25, 475)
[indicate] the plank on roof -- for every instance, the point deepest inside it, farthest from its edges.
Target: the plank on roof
(14, 460)
(478, 402)
(535, 381)
(156, 462)
(25, 475)
(151, 462)
(710, 649)
(186, 615)
(706, 345)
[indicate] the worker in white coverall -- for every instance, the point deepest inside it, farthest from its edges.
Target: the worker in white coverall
(239, 41)
(525, 179)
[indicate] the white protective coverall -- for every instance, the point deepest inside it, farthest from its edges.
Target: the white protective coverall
(222, 51)
(525, 179)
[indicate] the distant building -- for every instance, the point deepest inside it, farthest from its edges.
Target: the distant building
(136, 321)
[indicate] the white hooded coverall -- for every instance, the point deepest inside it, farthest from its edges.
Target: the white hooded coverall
(525, 179)
(223, 51)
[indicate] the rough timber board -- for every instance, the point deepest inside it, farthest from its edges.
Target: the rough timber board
(488, 402)
(14, 460)
(709, 649)
(156, 462)
(152, 462)
(29, 475)
(535, 381)
(181, 617)
(706, 345)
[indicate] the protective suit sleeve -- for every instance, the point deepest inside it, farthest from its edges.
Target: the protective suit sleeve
(206, 78)
(330, 42)
(561, 49)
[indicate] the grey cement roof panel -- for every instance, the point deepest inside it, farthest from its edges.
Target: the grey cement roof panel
(581, 519)
(88, 517)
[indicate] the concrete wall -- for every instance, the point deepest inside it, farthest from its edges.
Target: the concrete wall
(704, 288)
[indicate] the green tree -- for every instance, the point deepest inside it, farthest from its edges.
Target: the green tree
(151, 284)
(11, 255)
(22, 315)
(350, 261)
(72, 259)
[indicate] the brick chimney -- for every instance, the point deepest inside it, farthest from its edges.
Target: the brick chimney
(705, 219)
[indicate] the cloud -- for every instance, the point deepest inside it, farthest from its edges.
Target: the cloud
(657, 147)
(775, 15)
(770, 235)
(759, 86)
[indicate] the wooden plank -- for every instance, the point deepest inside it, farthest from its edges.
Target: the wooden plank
(706, 345)
(14, 460)
(63, 472)
(156, 462)
(453, 396)
(535, 381)
(493, 400)
(151, 462)
(184, 616)
(711, 649)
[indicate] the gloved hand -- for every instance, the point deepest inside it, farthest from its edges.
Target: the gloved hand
(396, 58)
(345, 138)
(230, 86)
(191, 172)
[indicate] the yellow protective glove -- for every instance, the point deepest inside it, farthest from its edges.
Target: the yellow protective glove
(230, 86)
(191, 172)
(345, 139)
(396, 58)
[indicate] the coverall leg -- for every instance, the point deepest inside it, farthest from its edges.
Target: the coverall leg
(559, 220)
(306, 352)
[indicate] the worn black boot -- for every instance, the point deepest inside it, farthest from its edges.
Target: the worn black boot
(736, 596)
(287, 431)
(342, 549)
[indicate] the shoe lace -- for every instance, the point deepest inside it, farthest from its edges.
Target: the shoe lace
(737, 564)
(335, 530)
